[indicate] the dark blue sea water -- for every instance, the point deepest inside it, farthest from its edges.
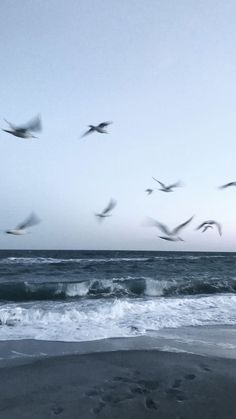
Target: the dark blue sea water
(87, 295)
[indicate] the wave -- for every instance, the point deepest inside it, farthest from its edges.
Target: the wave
(100, 260)
(132, 287)
(90, 320)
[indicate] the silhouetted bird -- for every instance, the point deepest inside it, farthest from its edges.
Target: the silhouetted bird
(106, 212)
(25, 130)
(211, 223)
(98, 128)
(21, 228)
(167, 188)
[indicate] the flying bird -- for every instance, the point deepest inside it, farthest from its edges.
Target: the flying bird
(171, 235)
(210, 223)
(149, 191)
(97, 128)
(227, 185)
(167, 188)
(106, 212)
(24, 131)
(21, 228)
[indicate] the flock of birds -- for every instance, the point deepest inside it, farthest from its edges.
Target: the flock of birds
(35, 125)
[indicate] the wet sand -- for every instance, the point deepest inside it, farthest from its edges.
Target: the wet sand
(120, 384)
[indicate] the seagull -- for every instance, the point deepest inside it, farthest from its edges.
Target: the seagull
(211, 223)
(106, 212)
(171, 235)
(98, 128)
(167, 188)
(149, 191)
(25, 130)
(227, 185)
(21, 228)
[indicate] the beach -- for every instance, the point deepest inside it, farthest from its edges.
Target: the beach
(117, 335)
(135, 384)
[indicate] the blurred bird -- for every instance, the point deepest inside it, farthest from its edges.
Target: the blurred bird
(21, 228)
(98, 128)
(149, 191)
(227, 185)
(171, 235)
(211, 223)
(25, 130)
(106, 212)
(168, 188)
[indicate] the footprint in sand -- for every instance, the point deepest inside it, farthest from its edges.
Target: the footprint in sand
(150, 404)
(177, 383)
(57, 410)
(98, 408)
(205, 368)
(190, 376)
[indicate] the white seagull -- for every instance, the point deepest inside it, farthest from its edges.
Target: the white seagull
(97, 128)
(24, 131)
(106, 212)
(21, 228)
(227, 185)
(210, 223)
(170, 235)
(168, 188)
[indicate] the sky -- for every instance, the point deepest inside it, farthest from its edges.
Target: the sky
(164, 72)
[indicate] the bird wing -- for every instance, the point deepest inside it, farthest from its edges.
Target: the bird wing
(10, 124)
(160, 183)
(227, 185)
(175, 185)
(202, 225)
(104, 124)
(29, 222)
(219, 227)
(90, 130)
(162, 227)
(179, 227)
(109, 207)
(33, 125)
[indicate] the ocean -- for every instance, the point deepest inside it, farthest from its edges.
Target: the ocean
(78, 296)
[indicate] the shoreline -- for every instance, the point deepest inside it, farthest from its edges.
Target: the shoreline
(212, 341)
(136, 384)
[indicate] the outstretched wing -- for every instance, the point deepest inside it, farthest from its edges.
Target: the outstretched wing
(227, 185)
(219, 228)
(162, 227)
(175, 185)
(179, 227)
(109, 207)
(104, 124)
(10, 124)
(33, 125)
(29, 222)
(160, 183)
(90, 130)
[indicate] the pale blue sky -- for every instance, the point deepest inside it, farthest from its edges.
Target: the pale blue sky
(164, 73)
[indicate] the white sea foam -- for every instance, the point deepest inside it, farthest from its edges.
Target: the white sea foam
(98, 319)
(51, 260)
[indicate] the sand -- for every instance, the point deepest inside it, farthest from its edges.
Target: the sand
(121, 384)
